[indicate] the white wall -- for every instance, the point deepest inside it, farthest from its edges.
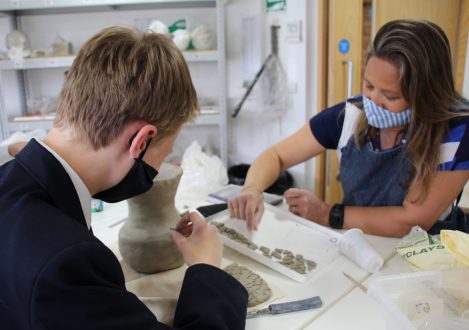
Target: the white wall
(249, 134)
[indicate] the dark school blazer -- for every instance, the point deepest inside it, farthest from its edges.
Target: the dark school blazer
(54, 274)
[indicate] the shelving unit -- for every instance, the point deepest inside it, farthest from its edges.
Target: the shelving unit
(15, 9)
(66, 61)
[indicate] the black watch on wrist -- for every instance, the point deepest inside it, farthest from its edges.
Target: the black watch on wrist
(336, 216)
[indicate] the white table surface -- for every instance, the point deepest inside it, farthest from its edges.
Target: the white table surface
(356, 310)
(342, 301)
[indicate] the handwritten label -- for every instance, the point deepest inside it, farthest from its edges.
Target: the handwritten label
(423, 308)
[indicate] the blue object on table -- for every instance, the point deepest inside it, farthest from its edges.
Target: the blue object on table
(288, 307)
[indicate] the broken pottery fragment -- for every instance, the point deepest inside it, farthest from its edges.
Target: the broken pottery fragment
(258, 290)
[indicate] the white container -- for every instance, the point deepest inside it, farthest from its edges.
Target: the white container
(424, 300)
(354, 245)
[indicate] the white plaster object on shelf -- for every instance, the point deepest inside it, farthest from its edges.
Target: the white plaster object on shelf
(61, 47)
(18, 45)
(181, 39)
(203, 37)
(157, 26)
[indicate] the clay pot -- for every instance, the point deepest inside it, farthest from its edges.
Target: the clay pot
(144, 240)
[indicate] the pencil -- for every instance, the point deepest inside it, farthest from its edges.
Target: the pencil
(354, 281)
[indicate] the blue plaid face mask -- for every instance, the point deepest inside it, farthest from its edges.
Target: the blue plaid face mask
(381, 118)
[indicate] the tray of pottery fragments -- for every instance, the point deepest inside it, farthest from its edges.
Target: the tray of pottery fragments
(289, 244)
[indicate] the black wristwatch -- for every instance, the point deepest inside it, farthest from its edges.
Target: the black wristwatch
(336, 216)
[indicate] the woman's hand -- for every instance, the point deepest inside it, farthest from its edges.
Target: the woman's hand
(198, 241)
(249, 205)
(307, 205)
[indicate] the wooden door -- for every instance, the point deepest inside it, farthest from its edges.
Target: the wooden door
(356, 21)
(345, 30)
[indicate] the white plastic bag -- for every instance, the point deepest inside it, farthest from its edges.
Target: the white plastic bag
(202, 174)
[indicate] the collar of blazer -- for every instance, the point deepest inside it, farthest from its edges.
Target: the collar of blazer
(52, 177)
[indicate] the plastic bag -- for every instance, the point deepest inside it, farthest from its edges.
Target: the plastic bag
(425, 252)
(202, 174)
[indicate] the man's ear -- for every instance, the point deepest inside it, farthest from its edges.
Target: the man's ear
(140, 139)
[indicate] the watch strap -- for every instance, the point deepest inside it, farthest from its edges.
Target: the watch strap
(336, 216)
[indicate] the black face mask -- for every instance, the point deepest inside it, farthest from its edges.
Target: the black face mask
(136, 182)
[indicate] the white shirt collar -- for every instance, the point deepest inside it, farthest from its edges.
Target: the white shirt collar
(82, 191)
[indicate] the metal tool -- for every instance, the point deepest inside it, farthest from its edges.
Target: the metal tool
(288, 307)
(354, 281)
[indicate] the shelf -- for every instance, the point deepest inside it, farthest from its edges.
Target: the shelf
(208, 119)
(38, 63)
(201, 56)
(66, 61)
(38, 7)
(29, 125)
(25, 124)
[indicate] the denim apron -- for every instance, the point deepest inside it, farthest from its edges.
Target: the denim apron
(377, 178)
(373, 178)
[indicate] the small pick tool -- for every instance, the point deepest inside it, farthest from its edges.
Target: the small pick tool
(288, 307)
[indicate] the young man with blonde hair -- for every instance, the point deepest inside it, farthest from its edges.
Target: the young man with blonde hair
(121, 107)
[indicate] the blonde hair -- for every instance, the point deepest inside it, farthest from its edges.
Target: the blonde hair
(121, 75)
(421, 52)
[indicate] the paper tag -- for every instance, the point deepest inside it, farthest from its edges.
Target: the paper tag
(423, 308)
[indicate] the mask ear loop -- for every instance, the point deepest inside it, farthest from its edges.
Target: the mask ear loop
(132, 138)
(144, 150)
